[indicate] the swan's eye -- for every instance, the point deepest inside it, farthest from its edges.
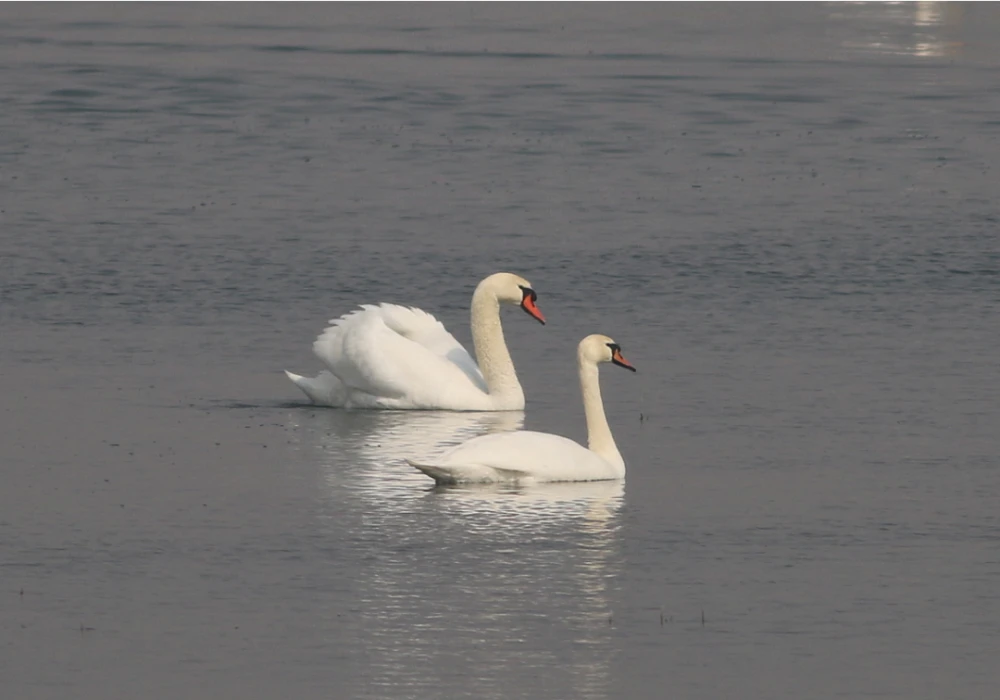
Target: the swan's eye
(616, 357)
(528, 293)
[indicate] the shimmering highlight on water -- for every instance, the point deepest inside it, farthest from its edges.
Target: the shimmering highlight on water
(786, 216)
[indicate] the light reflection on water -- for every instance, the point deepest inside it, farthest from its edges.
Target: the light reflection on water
(470, 589)
(450, 576)
(786, 210)
(364, 450)
(926, 29)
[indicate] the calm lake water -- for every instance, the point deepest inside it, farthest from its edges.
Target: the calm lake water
(786, 215)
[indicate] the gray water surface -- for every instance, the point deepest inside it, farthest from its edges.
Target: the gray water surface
(786, 215)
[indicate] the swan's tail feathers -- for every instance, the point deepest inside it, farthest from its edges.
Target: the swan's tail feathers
(442, 475)
(324, 389)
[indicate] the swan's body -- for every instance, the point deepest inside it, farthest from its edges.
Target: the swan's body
(525, 457)
(394, 357)
(532, 457)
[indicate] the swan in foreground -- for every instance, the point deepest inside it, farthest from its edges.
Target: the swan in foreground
(395, 357)
(528, 457)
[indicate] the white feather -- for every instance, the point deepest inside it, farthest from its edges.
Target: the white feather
(527, 457)
(396, 357)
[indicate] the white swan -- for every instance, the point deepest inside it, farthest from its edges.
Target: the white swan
(529, 457)
(394, 357)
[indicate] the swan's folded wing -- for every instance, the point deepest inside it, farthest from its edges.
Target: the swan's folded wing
(512, 474)
(468, 473)
(392, 351)
(521, 455)
(422, 328)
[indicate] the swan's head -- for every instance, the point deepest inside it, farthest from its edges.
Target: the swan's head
(599, 348)
(509, 288)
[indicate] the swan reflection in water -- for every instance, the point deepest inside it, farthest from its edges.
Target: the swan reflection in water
(364, 450)
(452, 587)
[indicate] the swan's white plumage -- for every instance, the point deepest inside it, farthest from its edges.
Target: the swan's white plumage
(323, 389)
(524, 456)
(396, 357)
(528, 457)
(391, 356)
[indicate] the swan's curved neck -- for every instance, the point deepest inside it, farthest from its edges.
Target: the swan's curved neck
(491, 349)
(599, 438)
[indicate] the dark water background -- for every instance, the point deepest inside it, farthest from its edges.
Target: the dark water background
(787, 215)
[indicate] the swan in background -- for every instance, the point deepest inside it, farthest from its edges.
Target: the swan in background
(527, 457)
(395, 357)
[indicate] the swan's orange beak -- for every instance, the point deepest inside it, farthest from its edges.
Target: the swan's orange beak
(616, 357)
(528, 304)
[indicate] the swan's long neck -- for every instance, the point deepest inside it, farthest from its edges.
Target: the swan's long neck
(599, 438)
(491, 350)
